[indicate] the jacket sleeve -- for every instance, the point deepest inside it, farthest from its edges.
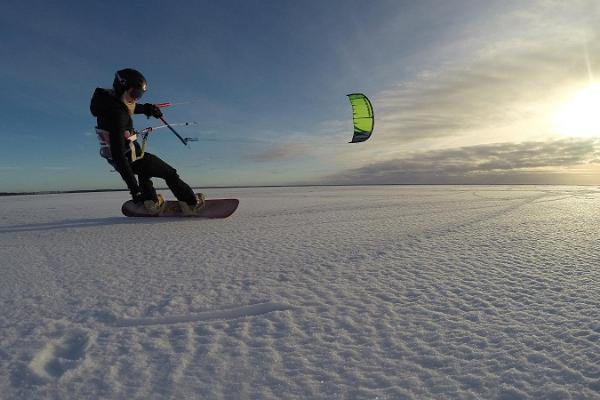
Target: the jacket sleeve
(119, 148)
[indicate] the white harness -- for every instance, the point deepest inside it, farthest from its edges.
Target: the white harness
(104, 139)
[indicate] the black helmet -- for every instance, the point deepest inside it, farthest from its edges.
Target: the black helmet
(128, 78)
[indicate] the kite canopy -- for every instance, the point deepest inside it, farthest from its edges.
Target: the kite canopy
(362, 116)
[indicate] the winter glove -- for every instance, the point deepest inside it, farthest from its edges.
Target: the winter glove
(152, 110)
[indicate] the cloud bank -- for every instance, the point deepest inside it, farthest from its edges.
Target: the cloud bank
(548, 162)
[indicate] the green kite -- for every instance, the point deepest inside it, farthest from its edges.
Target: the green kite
(362, 117)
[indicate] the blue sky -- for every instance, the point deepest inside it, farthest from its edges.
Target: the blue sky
(464, 91)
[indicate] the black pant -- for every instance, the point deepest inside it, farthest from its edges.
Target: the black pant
(151, 166)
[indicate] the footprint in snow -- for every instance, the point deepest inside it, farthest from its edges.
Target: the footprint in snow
(61, 355)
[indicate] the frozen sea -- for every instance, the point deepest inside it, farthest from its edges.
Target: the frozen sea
(380, 292)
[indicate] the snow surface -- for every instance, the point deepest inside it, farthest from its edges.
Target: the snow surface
(305, 293)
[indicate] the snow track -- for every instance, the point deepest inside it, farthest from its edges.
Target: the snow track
(230, 313)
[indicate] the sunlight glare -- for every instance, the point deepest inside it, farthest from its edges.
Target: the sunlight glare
(580, 117)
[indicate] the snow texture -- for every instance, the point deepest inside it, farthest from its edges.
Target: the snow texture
(441, 292)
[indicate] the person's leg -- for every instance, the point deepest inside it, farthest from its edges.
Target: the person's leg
(152, 166)
(147, 188)
(141, 169)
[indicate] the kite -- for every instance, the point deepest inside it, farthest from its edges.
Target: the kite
(362, 117)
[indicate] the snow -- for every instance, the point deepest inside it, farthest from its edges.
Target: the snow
(382, 292)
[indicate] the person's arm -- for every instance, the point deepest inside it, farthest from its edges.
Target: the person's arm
(148, 109)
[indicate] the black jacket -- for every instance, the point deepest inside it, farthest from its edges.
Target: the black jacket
(113, 116)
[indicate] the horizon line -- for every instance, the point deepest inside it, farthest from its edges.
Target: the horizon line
(44, 192)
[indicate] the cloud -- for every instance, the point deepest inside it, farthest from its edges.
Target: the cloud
(277, 152)
(299, 145)
(511, 70)
(529, 162)
(489, 93)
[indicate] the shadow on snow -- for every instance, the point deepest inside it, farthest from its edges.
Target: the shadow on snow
(82, 223)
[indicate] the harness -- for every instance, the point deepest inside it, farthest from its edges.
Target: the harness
(104, 139)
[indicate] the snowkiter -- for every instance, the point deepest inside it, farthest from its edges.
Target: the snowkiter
(113, 109)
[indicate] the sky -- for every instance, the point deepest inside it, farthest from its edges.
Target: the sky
(464, 91)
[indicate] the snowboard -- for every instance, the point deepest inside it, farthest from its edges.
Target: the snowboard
(216, 208)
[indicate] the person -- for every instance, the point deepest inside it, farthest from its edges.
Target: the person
(113, 109)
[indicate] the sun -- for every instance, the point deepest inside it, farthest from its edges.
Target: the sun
(580, 117)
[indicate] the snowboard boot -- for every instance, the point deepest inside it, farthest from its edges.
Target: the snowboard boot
(192, 210)
(155, 207)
